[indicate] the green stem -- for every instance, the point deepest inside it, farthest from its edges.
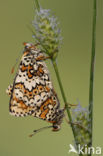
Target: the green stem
(92, 69)
(64, 97)
(37, 5)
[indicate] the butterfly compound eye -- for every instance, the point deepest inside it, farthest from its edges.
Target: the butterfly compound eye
(26, 45)
(56, 128)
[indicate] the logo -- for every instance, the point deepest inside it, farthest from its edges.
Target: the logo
(85, 150)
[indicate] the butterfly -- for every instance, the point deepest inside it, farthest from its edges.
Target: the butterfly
(32, 92)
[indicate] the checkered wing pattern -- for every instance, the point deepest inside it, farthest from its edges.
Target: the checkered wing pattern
(32, 92)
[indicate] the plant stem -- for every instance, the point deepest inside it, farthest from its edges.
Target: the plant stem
(92, 68)
(64, 97)
(37, 5)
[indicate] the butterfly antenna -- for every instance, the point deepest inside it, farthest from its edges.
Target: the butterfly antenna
(13, 68)
(38, 130)
(34, 34)
(30, 29)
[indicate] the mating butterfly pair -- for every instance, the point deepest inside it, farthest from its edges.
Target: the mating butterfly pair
(32, 92)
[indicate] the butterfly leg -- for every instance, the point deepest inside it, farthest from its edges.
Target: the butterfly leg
(75, 124)
(70, 105)
(54, 93)
(39, 58)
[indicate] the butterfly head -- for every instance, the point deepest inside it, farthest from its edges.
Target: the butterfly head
(30, 46)
(56, 127)
(58, 120)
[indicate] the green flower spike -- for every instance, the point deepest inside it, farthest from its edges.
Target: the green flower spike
(47, 31)
(81, 117)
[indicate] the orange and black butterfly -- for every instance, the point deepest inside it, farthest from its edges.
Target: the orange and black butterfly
(32, 92)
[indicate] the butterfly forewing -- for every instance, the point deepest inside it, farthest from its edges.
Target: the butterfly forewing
(32, 92)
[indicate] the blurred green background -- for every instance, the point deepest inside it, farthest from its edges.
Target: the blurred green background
(75, 18)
